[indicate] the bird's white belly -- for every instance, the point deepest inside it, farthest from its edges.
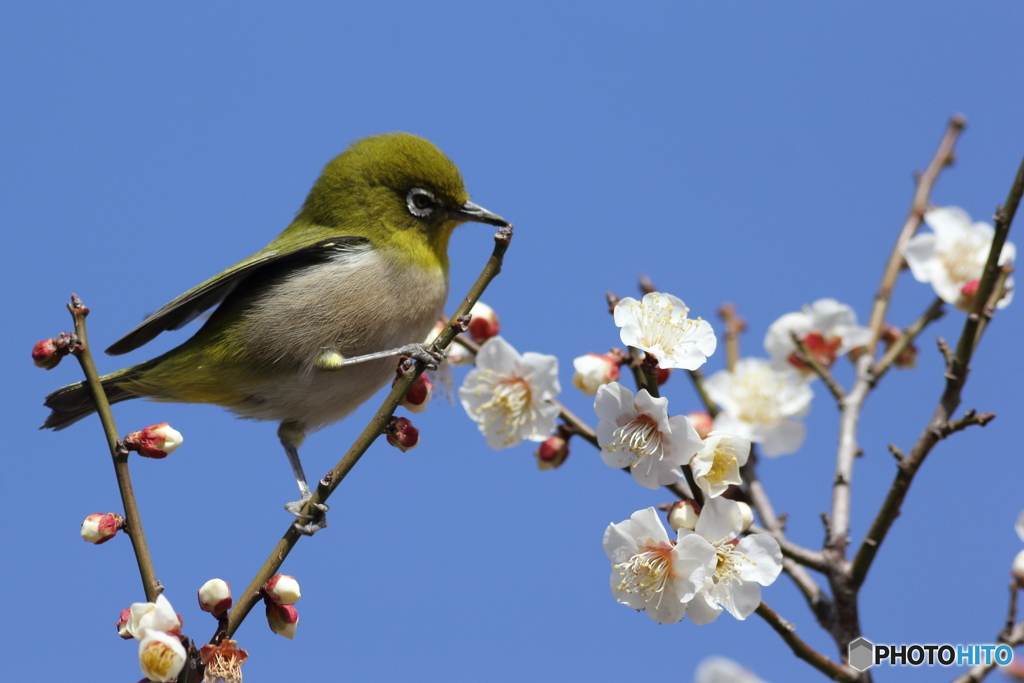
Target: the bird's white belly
(352, 306)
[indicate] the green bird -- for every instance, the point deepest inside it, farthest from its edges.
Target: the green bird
(307, 328)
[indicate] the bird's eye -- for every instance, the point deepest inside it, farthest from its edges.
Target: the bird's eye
(421, 202)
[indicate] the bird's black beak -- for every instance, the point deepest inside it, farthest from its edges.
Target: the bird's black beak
(478, 214)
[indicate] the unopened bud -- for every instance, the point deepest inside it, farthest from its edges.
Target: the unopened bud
(552, 453)
(283, 619)
(282, 589)
(967, 295)
(1017, 568)
(46, 355)
(592, 371)
(683, 515)
(155, 441)
(702, 422)
(401, 434)
(748, 515)
(161, 656)
(418, 395)
(223, 661)
(663, 375)
(122, 623)
(484, 324)
(100, 528)
(215, 597)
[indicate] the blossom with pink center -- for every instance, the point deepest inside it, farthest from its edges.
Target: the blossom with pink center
(509, 395)
(636, 432)
(652, 573)
(827, 328)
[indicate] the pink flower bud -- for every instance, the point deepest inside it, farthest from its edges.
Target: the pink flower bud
(592, 371)
(484, 324)
(100, 528)
(683, 515)
(46, 355)
(663, 375)
(552, 453)
(283, 619)
(161, 656)
(155, 441)
(282, 589)
(702, 422)
(418, 395)
(122, 623)
(215, 597)
(401, 434)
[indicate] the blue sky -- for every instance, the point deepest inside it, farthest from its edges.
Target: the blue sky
(747, 152)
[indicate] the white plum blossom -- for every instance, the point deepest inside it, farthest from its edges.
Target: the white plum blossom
(652, 573)
(718, 464)
(592, 371)
(827, 328)
(509, 395)
(659, 326)
(153, 616)
(722, 670)
(952, 256)
(638, 433)
(758, 403)
(161, 656)
(733, 576)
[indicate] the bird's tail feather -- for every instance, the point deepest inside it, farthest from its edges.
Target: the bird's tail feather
(71, 403)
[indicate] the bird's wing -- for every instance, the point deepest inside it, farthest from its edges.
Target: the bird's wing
(192, 303)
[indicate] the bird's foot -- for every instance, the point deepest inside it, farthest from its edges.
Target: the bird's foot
(424, 354)
(307, 525)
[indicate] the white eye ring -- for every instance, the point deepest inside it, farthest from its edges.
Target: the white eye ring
(421, 202)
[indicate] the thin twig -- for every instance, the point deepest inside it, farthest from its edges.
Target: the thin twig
(734, 327)
(333, 479)
(579, 427)
(697, 377)
(822, 371)
(935, 311)
(922, 194)
(837, 672)
(150, 584)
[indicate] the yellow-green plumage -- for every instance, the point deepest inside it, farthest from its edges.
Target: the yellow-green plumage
(362, 268)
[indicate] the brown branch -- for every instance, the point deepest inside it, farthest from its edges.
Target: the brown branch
(248, 599)
(938, 426)
(837, 672)
(150, 584)
(578, 426)
(819, 603)
(943, 157)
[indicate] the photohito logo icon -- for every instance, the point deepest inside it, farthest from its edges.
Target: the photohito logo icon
(862, 654)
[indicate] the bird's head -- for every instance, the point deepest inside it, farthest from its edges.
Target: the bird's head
(393, 188)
